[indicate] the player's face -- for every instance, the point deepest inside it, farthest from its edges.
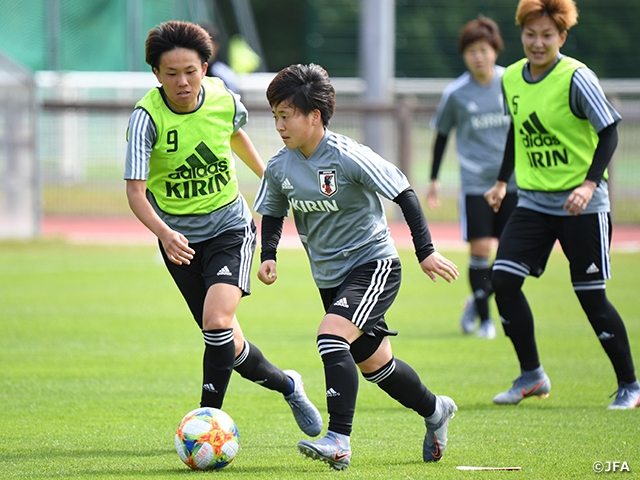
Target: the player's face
(297, 130)
(480, 59)
(541, 40)
(181, 72)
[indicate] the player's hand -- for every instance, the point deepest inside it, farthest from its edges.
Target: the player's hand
(432, 195)
(267, 272)
(177, 248)
(437, 264)
(580, 198)
(495, 195)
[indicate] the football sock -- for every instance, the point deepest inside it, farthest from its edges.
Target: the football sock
(480, 280)
(516, 317)
(611, 332)
(217, 365)
(402, 383)
(341, 381)
(252, 365)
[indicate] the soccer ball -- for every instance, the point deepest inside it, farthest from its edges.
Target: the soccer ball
(207, 439)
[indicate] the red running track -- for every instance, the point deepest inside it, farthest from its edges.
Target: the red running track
(128, 229)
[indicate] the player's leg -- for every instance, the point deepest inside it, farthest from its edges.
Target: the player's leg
(228, 266)
(489, 226)
(226, 262)
(525, 246)
(469, 318)
(480, 281)
(219, 338)
(348, 311)
(341, 382)
(585, 240)
(190, 282)
(401, 382)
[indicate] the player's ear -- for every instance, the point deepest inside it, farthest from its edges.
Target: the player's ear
(563, 37)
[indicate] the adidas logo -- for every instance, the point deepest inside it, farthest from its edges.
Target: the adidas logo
(332, 393)
(472, 107)
(605, 336)
(543, 148)
(592, 269)
(286, 185)
(224, 271)
(209, 388)
(342, 303)
(203, 174)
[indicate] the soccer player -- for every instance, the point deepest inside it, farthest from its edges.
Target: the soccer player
(182, 185)
(562, 138)
(333, 185)
(472, 104)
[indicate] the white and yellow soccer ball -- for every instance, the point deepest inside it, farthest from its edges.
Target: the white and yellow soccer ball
(207, 439)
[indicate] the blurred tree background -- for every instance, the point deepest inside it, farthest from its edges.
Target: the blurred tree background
(326, 32)
(108, 35)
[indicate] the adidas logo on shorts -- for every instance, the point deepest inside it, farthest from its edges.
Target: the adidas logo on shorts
(592, 269)
(224, 271)
(342, 303)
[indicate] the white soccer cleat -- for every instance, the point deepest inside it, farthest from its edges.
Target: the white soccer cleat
(522, 389)
(469, 315)
(487, 330)
(435, 440)
(333, 448)
(306, 414)
(627, 396)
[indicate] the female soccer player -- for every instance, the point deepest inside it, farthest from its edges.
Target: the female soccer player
(182, 185)
(333, 185)
(562, 137)
(472, 104)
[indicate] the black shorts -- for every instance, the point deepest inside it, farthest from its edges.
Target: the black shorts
(478, 220)
(529, 237)
(223, 259)
(364, 298)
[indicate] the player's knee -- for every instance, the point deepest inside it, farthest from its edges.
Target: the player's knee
(504, 283)
(380, 359)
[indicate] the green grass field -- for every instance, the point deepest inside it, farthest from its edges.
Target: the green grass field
(100, 360)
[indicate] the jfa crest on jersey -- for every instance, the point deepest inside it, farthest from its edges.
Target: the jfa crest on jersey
(327, 182)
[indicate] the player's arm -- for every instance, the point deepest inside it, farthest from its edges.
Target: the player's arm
(582, 195)
(141, 135)
(431, 262)
(242, 146)
(588, 101)
(271, 232)
(496, 194)
(175, 245)
(439, 145)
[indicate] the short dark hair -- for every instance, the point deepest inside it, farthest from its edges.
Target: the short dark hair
(176, 34)
(482, 28)
(306, 88)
